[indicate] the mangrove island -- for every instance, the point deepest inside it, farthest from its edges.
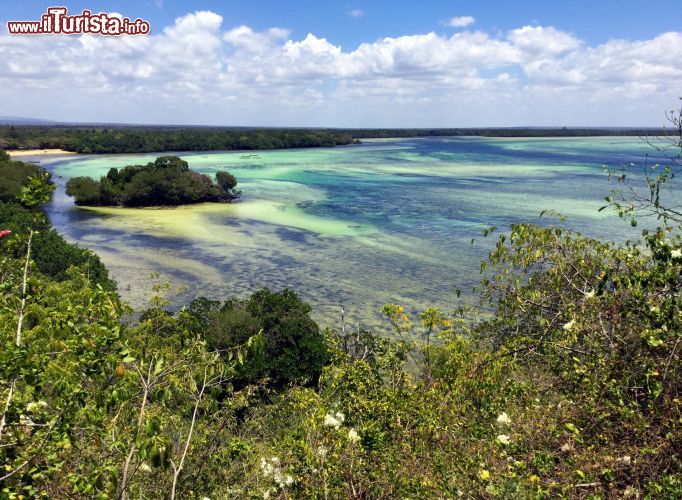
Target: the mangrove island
(167, 181)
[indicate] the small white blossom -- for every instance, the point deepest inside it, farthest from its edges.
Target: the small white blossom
(279, 478)
(626, 460)
(271, 469)
(353, 436)
(568, 326)
(503, 419)
(25, 420)
(332, 421)
(266, 467)
(676, 254)
(340, 416)
(36, 405)
(631, 492)
(145, 467)
(504, 439)
(322, 452)
(590, 294)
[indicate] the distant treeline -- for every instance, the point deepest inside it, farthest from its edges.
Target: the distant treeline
(144, 139)
(90, 140)
(504, 132)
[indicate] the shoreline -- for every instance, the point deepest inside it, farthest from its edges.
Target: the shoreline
(18, 153)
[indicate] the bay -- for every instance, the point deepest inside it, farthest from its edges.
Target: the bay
(385, 221)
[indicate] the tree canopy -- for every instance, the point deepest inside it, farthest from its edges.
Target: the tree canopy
(167, 181)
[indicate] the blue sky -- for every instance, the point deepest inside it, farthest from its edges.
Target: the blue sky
(595, 21)
(370, 63)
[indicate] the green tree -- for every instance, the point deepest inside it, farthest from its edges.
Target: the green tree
(85, 190)
(293, 349)
(226, 181)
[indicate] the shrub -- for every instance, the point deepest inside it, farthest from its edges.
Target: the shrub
(293, 348)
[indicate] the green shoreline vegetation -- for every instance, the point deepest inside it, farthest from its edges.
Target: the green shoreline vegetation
(568, 386)
(167, 181)
(100, 139)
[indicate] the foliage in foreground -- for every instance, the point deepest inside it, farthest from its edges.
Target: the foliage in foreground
(53, 255)
(571, 388)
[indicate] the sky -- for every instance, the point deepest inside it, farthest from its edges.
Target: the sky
(359, 63)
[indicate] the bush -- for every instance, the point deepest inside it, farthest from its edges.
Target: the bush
(52, 254)
(293, 348)
(14, 175)
(226, 181)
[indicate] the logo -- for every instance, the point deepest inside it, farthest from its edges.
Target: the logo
(57, 21)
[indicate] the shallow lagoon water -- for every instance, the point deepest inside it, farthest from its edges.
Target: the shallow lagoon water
(358, 226)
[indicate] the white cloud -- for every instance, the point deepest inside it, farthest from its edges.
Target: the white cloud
(536, 40)
(356, 13)
(460, 21)
(197, 70)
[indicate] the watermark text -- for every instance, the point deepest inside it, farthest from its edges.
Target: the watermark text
(57, 21)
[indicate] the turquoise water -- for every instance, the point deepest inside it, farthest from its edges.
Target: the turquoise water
(358, 226)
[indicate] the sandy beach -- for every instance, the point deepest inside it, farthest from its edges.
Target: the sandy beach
(16, 153)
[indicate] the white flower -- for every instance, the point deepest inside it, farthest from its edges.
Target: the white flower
(503, 438)
(503, 419)
(630, 492)
(590, 294)
(32, 406)
(568, 326)
(272, 470)
(331, 421)
(25, 420)
(340, 416)
(626, 460)
(676, 254)
(322, 452)
(267, 468)
(353, 436)
(279, 478)
(145, 467)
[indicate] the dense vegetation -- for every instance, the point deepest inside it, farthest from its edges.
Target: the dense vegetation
(165, 181)
(13, 176)
(569, 384)
(292, 349)
(131, 139)
(141, 139)
(53, 255)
